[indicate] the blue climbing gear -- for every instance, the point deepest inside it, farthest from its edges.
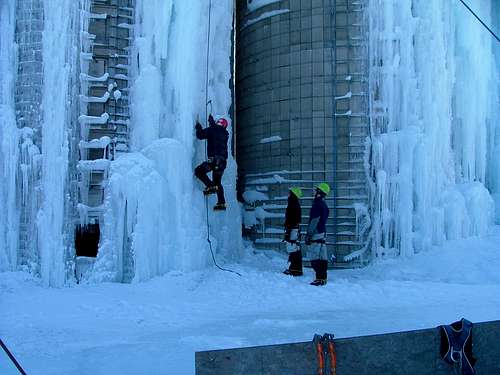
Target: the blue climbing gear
(456, 346)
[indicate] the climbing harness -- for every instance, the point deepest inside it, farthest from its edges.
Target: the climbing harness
(12, 358)
(456, 346)
(480, 20)
(292, 239)
(326, 354)
(209, 102)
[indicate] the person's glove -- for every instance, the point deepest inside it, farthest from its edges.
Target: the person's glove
(211, 120)
(198, 125)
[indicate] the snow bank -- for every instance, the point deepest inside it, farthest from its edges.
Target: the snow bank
(434, 94)
(125, 329)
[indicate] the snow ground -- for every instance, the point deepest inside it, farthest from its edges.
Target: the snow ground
(155, 327)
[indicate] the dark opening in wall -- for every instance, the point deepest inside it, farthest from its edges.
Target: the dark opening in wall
(87, 240)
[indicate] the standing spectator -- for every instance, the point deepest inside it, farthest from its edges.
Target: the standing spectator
(292, 223)
(316, 234)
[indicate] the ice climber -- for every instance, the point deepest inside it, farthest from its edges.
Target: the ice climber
(316, 234)
(217, 137)
(292, 223)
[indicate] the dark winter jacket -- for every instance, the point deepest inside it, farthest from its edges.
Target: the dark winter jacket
(318, 216)
(293, 212)
(216, 137)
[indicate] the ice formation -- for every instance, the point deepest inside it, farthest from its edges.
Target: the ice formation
(9, 138)
(264, 16)
(274, 138)
(154, 212)
(253, 5)
(59, 69)
(154, 207)
(435, 123)
(434, 165)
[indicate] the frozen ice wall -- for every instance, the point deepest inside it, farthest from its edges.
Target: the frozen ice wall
(34, 178)
(493, 172)
(435, 123)
(9, 217)
(155, 210)
(59, 66)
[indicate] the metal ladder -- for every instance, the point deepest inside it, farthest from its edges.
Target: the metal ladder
(104, 126)
(104, 103)
(351, 111)
(28, 99)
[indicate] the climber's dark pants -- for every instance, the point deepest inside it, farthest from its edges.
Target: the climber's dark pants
(216, 166)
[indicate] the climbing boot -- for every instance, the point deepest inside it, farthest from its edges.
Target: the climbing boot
(290, 272)
(220, 207)
(295, 260)
(210, 190)
(320, 267)
(323, 274)
(319, 282)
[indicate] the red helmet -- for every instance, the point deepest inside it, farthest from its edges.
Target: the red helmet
(222, 122)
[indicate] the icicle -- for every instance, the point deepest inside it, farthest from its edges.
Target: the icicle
(432, 79)
(58, 64)
(154, 212)
(9, 138)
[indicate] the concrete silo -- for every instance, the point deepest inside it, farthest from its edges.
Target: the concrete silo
(302, 114)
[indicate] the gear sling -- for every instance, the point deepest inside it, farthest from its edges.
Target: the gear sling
(456, 346)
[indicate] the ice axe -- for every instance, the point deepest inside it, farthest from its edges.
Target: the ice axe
(206, 107)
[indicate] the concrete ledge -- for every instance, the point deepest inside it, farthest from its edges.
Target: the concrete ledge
(412, 352)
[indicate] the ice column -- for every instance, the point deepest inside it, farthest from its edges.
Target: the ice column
(154, 209)
(59, 65)
(9, 217)
(433, 96)
(28, 98)
(493, 171)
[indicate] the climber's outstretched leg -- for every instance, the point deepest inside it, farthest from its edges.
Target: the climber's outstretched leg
(218, 171)
(201, 172)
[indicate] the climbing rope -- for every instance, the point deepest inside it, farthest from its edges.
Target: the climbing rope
(480, 20)
(207, 102)
(208, 62)
(12, 358)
